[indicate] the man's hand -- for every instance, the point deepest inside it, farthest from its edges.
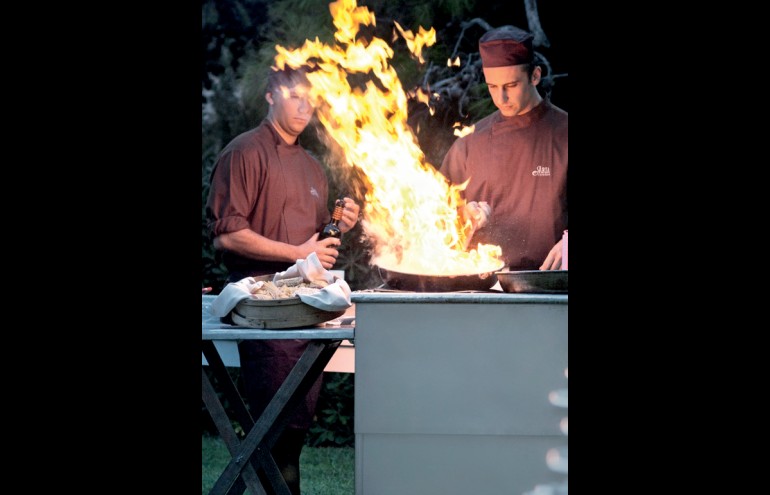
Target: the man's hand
(553, 260)
(326, 249)
(349, 215)
(478, 213)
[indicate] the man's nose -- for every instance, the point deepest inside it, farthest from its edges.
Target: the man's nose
(305, 106)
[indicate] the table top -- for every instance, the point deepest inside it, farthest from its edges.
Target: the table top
(232, 332)
(214, 329)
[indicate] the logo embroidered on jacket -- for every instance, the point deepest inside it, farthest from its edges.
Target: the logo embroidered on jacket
(542, 171)
(314, 192)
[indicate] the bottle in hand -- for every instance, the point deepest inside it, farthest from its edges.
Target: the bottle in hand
(332, 228)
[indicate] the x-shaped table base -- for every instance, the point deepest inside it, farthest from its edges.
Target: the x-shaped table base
(252, 453)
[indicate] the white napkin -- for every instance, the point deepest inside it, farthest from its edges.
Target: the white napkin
(232, 294)
(333, 297)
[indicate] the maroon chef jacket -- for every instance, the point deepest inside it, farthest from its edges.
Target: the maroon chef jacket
(519, 166)
(273, 188)
(279, 191)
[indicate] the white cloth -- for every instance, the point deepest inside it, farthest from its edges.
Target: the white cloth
(333, 297)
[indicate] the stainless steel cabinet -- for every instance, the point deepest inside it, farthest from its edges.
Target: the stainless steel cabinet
(451, 391)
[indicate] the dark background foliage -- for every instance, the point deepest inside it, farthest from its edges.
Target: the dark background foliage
(238, 44)
(238, 39)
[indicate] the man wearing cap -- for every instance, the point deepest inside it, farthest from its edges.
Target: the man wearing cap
(516, 158)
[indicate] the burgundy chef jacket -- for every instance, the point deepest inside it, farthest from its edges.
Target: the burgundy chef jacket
(275, 189)
(519, 166)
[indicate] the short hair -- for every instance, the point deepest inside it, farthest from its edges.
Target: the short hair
(287, 77)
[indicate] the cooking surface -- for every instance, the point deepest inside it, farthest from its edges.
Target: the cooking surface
(377, 295)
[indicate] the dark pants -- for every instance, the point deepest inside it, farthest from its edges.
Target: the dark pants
(286, 452)
(264, 366)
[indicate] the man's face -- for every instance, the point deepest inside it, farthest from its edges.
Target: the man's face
(291, 108)
(511, 89)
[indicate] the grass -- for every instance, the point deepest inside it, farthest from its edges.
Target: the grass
(325, 470)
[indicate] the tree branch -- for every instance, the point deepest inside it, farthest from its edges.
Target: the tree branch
(533, 21)
(466, 25)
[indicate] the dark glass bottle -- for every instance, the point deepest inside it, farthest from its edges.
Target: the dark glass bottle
(332, 228)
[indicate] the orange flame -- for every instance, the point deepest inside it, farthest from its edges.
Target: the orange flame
(422, 96)
(455, 63)
(415, 43)
(411, 210)
(461, 130)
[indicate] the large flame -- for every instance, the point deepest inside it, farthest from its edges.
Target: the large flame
(411, 210)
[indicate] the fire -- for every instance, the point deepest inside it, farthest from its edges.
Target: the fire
(415, 43)
(411, 210)
(422, 96)
(461, 130)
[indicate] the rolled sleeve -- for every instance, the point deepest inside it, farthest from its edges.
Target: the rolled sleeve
(231, 198)
(228, 224)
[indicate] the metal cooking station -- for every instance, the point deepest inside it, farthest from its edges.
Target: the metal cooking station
(451, 391)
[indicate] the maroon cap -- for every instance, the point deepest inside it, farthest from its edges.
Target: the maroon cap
(504, 46)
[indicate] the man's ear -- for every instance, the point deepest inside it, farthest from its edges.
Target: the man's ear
(537, 72)
(269, 97)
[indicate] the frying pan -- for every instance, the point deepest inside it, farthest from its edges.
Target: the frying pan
(438, 283)
(534, 281)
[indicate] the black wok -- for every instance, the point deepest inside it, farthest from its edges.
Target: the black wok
(438, 283)
(534, 281)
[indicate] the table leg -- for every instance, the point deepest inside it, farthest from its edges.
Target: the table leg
(222, 422)
(226, 384)
(241, 413)
(262, 436)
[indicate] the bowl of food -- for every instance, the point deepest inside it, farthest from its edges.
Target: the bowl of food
(277, 305)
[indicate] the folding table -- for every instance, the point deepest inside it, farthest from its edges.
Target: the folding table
(250, 453)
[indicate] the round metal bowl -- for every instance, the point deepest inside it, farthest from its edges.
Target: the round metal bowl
(438, 283)
(277, 314)
(534, 281)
